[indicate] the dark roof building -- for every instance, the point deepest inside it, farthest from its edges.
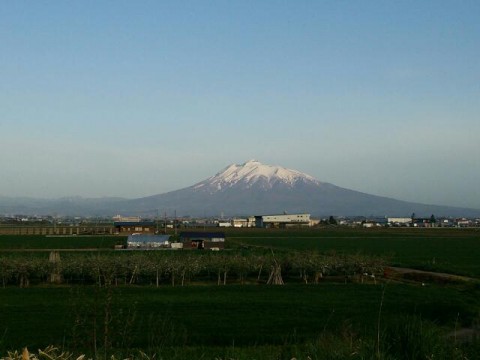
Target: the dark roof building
(134, 227)
(202, 240)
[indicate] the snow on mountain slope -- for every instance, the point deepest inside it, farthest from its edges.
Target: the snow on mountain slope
(241, 190)
(254, 174)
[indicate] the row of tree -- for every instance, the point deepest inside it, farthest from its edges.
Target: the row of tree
(181, 268)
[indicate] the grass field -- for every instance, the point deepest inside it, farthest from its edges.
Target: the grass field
(38, 242)
(258, 321)
(446, 250)
(147, 317)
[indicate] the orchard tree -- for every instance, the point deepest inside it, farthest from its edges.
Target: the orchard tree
(332, 220)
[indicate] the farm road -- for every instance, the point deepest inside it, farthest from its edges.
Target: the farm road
(399, 273)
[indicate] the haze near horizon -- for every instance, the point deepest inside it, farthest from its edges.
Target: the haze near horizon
(134, 99)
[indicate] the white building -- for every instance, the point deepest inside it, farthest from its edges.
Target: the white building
(146, 242)
(244, 222)
(285, 220)
(398, 220)
(120, 218)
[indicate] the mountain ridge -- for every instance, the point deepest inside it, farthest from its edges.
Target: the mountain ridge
(242, 189)
(253, 187)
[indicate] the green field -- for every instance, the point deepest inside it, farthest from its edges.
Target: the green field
(39, 242)
(333, 319)
(445, 250)
(453, 251)
(146, 317)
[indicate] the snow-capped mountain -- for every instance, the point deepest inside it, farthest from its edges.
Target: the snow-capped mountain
(255, 174)
(251, 188)
(255, 188)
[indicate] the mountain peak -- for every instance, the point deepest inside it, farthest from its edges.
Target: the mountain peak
(255, 174)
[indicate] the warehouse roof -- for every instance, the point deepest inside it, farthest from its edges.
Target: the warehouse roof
(201, 235)
(148, 238)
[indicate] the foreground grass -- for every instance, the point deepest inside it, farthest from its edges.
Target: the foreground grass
(326, 321)
(245, 317)
(415, 340)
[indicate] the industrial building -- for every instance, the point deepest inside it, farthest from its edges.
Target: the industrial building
(399, 220)
(243, 222)
(282, 221)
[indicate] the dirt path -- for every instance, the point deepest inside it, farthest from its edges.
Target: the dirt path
(424, 277)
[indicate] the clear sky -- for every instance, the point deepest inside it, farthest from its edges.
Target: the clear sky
(135, 98)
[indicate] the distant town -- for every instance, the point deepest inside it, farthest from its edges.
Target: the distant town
(127, 225)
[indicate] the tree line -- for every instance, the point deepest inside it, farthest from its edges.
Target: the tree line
(179, 268)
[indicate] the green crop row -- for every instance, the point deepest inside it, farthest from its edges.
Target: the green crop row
(295, 317)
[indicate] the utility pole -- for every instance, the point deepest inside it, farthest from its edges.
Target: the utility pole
(165, 221)
(175, 223)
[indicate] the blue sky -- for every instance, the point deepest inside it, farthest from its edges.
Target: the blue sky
(128, 98)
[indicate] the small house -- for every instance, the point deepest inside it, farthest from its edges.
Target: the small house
(203, 240)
